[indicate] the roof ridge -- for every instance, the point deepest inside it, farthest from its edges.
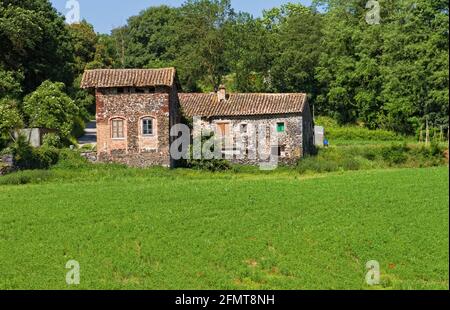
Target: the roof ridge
(184, 93)
(128, 77)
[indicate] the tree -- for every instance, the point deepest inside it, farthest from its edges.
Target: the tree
(49, 107)
(106, 54)
(202, 29)
(10, 119)
(84, 42)
(297, 50)
(150, 38)
(10, 84)
(35, 41)
(391, 75)
(415, 66)
(249, 54)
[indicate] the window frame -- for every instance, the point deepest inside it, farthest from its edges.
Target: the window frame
(243, 128)
(113, 121)
(283, 125)
(153, 127)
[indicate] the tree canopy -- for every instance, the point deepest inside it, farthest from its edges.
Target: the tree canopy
(391, 75)
(49, 107)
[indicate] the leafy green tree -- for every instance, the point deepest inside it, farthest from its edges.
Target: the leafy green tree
(10, 118)
(249, 54)
(150, 38)
(415, 66)
(84, 42)
(49, 107)
(106, 54)
(391, 75)
(297, 50)
(35, 41)
(10, 84)
(202, 29)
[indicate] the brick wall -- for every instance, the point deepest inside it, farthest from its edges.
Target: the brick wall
(291, 139)
(135, 149)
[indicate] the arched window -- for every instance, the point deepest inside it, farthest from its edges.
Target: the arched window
(117, 128)
(147, 126)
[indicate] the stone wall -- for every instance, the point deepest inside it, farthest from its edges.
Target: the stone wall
(163, 106)
(135, 149)
(6, 164)
(291, 139)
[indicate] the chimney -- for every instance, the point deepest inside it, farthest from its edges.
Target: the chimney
(222, 93)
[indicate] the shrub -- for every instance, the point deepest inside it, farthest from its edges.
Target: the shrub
(52, 140)
(357, 157)
(351, 164)
(78, 127)
(69, 159)
(360, 134)
(213, 165)
(395, 154)
(46, 156)
(25, 177)
(370, 154)
(333, 131)
(315, 164)
(27, 157)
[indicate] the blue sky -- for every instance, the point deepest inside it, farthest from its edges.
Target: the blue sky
(108, 14)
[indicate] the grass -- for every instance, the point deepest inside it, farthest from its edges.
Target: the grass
(357, 134)
(183, 229)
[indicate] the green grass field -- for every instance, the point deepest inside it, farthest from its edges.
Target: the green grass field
(159, 229)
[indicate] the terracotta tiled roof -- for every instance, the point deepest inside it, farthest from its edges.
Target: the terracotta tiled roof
(128, 78)
(208, 105)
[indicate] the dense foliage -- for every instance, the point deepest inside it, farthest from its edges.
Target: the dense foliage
(392, 75)
(49, 107)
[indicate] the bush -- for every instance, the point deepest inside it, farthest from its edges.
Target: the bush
(333, 131)
(395, 154)
(357, 157)
(52, 140)
(27, 157)
(213, 165)
(314, 164)
(47, 157)
(69, 159)
(351, 164)
(25, 177)
(78, 127)
(360, 134)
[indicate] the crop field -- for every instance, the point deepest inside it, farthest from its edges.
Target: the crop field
(160, 229)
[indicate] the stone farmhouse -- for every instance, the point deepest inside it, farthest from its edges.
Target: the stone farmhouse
(136, 108)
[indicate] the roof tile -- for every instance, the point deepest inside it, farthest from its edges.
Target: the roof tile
(105, 78)
(208, 105)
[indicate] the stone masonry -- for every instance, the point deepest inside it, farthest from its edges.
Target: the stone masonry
(135, 97)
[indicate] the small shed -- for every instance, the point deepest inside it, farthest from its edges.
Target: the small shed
(34, 136)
